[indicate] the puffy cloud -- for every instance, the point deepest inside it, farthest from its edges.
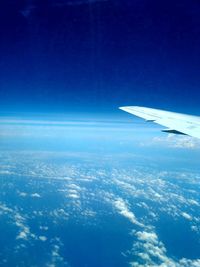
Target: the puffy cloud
(56, 258)
(186, 216)
(36, 195)
(42, 238)
(24, 230)
(123, 209)
(151, 252)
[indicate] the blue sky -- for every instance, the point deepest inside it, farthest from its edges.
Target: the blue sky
(93, 56)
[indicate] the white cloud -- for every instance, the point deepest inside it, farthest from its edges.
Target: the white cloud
(36, 195)
(22, 194)
(58, 214)
(177, 141)
(74, 196)
(193, 202)
(195, 228)
(88, 213)
(186, 216)
(189, 263)
(151, 252)
(44, 228)
(123, 209)
(56, 258)
(42, 238)
(20, 221)
(6, 172)
(73, 192)
(6, 209)
(146, 236)
(24, 231)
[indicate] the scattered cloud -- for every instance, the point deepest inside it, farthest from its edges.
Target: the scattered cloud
(141, 194)
(42, 238)
(123, 209)
(177, 141)
(33, 195)
(151, 252)
(56, 258)
(58, 214)
(22, 194)
(44, 228)
(187, 216)
(36, 195)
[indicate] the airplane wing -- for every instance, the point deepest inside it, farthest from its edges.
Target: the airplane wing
(176, 123)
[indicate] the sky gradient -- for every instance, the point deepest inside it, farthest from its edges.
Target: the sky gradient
(94, 56)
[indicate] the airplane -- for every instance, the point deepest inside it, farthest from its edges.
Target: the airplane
(176, 123)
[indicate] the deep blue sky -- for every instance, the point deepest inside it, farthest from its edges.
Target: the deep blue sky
(93, 56)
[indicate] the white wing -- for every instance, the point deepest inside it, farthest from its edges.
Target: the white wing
(176, 123)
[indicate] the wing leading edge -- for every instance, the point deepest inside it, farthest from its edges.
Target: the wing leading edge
(176, 123)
